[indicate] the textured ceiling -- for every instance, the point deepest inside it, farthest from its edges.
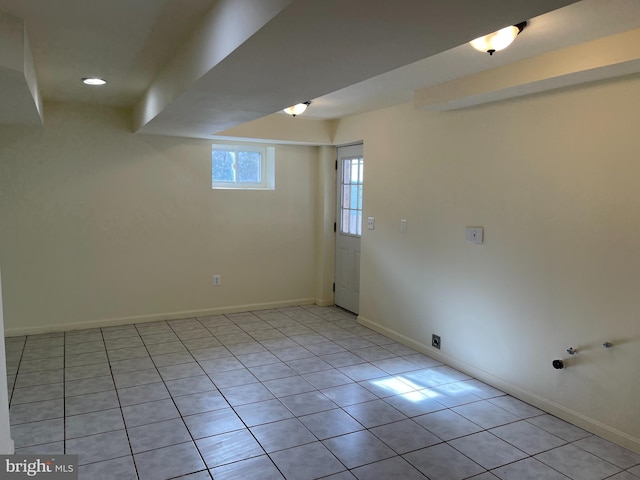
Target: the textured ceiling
(125, 41)
(196, 67)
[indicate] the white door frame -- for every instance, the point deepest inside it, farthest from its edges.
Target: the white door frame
(349, 187)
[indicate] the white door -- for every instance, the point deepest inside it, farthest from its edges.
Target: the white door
(349, 227)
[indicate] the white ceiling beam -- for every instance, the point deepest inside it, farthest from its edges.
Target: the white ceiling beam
(283, 129)
(607, 57)
(307, 49)
(227, 26)
(20, 102)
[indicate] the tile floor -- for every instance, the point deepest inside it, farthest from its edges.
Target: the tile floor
(295, 393)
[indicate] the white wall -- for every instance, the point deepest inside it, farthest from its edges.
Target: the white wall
(101, 225)
(553, 179)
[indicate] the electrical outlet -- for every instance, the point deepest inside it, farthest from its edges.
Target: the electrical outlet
(371, 223)
(435, 341)
(474, 235)
(217, 280)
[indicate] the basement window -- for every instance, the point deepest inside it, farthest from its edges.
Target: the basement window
(243, 167)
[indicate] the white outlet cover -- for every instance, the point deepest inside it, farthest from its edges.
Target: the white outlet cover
(371, 223)
(474, 235)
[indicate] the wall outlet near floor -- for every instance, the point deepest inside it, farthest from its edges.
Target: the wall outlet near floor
(435, 341)
(217, 280)
(474, 235)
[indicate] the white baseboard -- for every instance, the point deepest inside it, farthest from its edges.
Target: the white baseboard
(560, 411)
(154, 317)
(324, 303)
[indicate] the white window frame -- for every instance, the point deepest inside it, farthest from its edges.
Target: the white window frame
(267, 168)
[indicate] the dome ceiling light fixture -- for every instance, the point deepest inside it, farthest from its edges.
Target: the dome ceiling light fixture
(496, 41)
(297, 109)
(95, 81)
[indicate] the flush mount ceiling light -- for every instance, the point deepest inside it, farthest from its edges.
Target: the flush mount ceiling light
(297, 109)
(93, 81)
(496, 41)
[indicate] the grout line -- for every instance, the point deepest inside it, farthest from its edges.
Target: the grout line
(249, 428)
(15, 380)
(351, 347)
(193, 440)
(124, 423)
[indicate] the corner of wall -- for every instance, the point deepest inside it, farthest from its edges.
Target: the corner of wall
(325, 239)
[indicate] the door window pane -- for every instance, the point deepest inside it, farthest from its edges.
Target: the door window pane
(351, 186)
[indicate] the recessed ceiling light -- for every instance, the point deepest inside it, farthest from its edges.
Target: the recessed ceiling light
(93, 81)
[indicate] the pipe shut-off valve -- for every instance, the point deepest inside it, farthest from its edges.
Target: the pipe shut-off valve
(559, 364)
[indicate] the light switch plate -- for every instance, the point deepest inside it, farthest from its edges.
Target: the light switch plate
(403, 226)
(475, 235)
